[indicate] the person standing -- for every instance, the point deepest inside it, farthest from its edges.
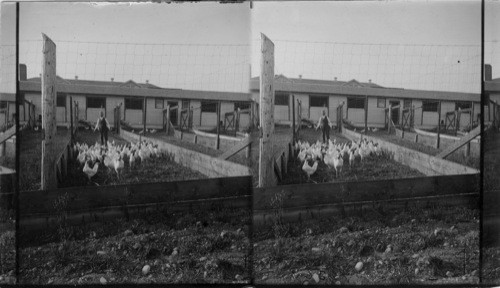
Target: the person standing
(103, 126)
(325, 124)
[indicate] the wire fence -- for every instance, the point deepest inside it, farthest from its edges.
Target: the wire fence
(423, 67)
(185, 66)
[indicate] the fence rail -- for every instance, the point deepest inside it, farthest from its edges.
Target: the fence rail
(87, 204)
(309, 201)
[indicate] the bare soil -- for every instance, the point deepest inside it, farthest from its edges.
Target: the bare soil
(203, 247)
(421, 246)
(31, 156)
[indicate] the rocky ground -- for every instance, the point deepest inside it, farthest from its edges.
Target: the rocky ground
(206, 247)
(424, 246)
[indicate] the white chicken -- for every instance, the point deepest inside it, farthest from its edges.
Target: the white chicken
(118, 164)
(338, 163)
(310, 170)
(90, 171)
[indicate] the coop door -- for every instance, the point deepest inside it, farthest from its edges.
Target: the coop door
(173, 112)
(395, 112)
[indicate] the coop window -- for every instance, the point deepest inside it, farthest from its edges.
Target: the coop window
(96, 102)
(429, 106)
(463, 105)
(159, 103)
(61, 100)
(133, 103)
(407, 104)
(241, 105)
(185, 104)
(281, 99)
(356, 102)
(380, 102)
(209, 107)
(319, 101)
(3, 104)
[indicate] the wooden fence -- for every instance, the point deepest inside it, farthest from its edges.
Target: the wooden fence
(90, 203)
(313, 201)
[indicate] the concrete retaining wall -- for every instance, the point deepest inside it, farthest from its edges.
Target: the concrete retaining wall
(426, 164)
(430, 139)
(207, 165)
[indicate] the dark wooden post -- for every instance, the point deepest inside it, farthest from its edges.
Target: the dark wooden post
(144, 116)
(266, 163)
(49, 91)
(366, 114)
(218, 125)
(389, 119)
(167, 120)
(293, 118)
(71, 117)
(439, 126)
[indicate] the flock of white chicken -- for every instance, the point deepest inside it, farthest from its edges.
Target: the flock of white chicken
(113, 157)
(334, 155)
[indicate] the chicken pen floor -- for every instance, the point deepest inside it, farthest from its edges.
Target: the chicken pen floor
(210, 246)
(433, 245)
(372, 168)
(156, 169)
(30, 175)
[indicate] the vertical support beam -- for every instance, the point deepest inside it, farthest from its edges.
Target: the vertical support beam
(49, 92)
(266, 163)
(144, 115)
(218, 125)
(167, 121)
(293, 118)
(389, 119)
(366, 114)
(71, 117)
(438, 142)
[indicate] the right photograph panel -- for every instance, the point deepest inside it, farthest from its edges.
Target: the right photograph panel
(369, 152)
(491, 199)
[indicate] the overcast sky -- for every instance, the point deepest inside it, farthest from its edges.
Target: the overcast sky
(191, 45)
(431, 45)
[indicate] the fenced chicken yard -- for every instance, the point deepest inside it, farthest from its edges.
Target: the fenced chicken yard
(359, 209)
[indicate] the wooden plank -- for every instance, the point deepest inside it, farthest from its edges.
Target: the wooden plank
(307, 195)
(49, 91)
(366, 114)
(452, 148)
(37, 222)
(91, 197)
(300, 214)
(8, 134)
(237, 148)
(266, 105)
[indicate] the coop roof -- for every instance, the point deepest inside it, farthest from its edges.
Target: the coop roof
(493, 85)
(354, 87)
(130, 89)
(9, 97)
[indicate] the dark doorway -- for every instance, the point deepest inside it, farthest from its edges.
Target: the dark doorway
(395, 112)
(173, 112)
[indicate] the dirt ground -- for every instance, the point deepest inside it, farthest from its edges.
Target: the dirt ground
(435, 245)
(159, 169)
(31, 156)
(7, 248)
(373, 168)
(491, 240)
(204, 247)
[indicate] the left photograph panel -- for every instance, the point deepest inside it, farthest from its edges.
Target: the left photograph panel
(7, 142)
(122, 179)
